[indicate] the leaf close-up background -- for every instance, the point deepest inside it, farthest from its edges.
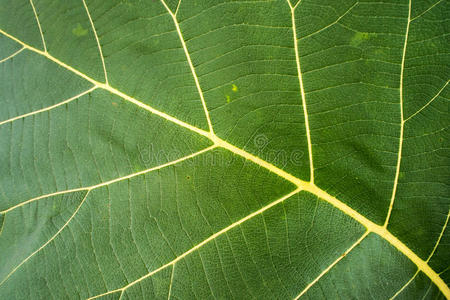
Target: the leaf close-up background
(200, 149)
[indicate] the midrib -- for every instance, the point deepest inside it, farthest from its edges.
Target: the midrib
(302, 185)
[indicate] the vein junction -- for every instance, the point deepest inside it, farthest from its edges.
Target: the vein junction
(218, 142)
(428, 259)
(191, 66)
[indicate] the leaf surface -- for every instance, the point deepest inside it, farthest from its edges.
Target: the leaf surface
(224, 149)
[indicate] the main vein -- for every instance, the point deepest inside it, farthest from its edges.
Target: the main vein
(302, 185)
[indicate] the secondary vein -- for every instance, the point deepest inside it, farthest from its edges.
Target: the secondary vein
(129, 176)
(191, 65)
(12, 55)
(39, 25)
(332, 265)
(48, 107)
(302, 92)
(402, 122)
(97, 40)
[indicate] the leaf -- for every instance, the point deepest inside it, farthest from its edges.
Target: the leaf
(224, 149)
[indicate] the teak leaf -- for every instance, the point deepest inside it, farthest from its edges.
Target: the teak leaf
(196, 149)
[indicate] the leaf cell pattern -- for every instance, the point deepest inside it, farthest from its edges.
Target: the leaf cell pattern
(224, 149)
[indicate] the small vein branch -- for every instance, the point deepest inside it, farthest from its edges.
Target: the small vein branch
(331, 24)
(405, 285)
(293, 7)
(191, 65)
(439, 238)
(178, 6)
(427, 10)
(12, 55)
(49, 107)
(332, 265)
(429, 102)
(39, 25)
(98, 41)
(46, 243)
(171, 281)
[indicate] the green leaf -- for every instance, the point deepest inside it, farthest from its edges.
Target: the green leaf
(199, 149)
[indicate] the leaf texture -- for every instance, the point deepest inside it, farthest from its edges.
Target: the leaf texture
(195, 149)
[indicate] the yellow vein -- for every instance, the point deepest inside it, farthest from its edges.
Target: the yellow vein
(43, 197)
(405, 285)
(422, 265)
(39, 25)
(429, 102)
(48, 56)
(385, 234)
(12, 55)
(212, 237)
(332, 265)
(98, 41)
(49, 241)
(178, 6)
(224, 144)
(49, 107)
(402, 123)
(310, 187)
(302, 91)
(295, 6)
(440, 237)
(428, 259)
(121, 294)
(191, 66)
(109, 88)
(129, 176)
(154, 111)
(171, 281)
(370, 226)
(2, 223)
